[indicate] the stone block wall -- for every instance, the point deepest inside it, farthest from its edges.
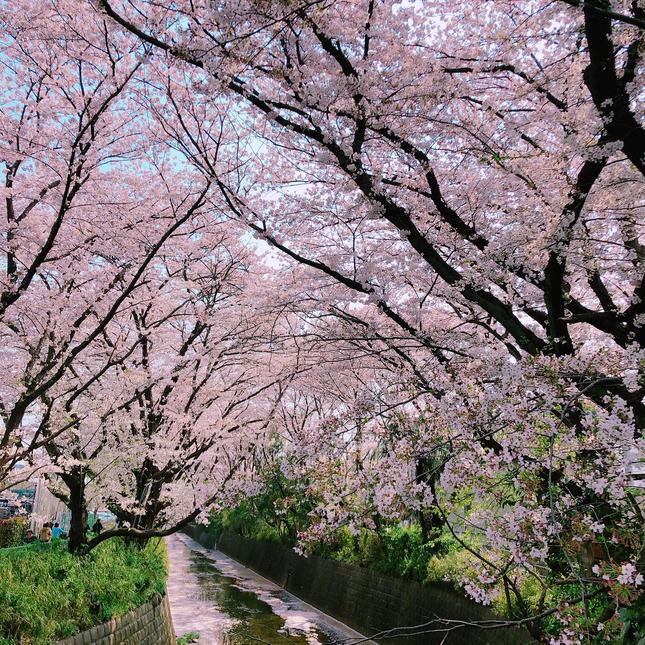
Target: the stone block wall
(365, 600)
(149, 624)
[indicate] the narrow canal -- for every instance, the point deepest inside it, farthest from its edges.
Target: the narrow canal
(228, 604)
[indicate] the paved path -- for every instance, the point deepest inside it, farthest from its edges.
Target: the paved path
(228, 604)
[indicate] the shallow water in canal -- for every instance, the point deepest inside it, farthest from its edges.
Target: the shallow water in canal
(229, 604)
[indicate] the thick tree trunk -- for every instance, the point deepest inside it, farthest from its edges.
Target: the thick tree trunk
(78, 509)
(429, 519)
(425, 520)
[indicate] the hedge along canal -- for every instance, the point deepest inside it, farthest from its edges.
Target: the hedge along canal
(228, 604)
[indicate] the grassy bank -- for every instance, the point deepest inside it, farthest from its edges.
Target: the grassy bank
(47, 594)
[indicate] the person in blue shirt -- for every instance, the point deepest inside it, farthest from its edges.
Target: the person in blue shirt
(56, 531)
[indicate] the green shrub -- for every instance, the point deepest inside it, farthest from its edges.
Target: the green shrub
(48, 594)
(11, 531)
(277, 514)
(394, 550)
(450, 567)
(403, 553)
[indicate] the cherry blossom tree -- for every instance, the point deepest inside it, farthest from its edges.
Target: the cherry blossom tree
(89, 201)
(139, 376)
(474, 173)
(172, 426)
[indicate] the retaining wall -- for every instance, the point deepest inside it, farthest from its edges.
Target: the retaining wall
(149, 624)
(363, 599)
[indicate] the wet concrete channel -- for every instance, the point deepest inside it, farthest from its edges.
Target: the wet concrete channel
(228, 604)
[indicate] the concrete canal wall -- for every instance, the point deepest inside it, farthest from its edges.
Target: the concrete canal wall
(149, 624)
(363, 599)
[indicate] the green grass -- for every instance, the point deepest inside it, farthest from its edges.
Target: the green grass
(48, 594)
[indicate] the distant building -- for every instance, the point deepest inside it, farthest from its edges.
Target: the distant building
(47, 507)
